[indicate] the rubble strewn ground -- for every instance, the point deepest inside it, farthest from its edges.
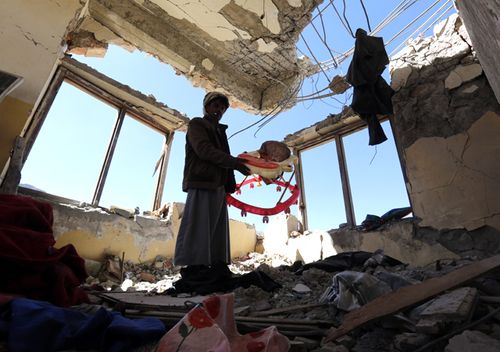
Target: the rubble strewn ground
(301, 293)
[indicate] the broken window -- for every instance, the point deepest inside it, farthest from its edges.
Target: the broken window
(68, 163)
(137, 151)
(89, 128)
(348, 179)
(375, 175)
(322, 187)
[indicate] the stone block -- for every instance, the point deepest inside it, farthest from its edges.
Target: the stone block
(462, 74)
(410, 341)
(93, 267)
(144, 276)
(472, 341)
(431, 326)
(454, 305)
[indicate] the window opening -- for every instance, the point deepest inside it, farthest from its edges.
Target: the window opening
(323, 187)
(376, 185)
(132, 167)
(68, 164)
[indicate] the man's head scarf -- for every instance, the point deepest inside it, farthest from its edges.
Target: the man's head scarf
(211, 96)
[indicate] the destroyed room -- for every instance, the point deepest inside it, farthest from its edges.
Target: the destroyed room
(250, 175)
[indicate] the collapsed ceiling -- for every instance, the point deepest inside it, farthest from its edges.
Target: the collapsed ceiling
(244, 48)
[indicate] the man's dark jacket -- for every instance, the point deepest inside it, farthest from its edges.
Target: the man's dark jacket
(208, 163)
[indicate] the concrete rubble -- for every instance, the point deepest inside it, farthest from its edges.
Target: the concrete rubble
(299, 299)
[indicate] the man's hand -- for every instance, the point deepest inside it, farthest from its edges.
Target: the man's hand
(241, 167)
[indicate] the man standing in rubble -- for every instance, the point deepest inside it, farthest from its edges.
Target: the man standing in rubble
(203, 239)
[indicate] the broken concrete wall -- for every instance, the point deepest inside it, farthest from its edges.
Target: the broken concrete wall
(398, 240)
(404, 240)
(95, 233)
(243, 48)
(447, 123)
(31, 37)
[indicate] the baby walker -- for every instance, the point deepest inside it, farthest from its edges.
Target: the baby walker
(272, 172)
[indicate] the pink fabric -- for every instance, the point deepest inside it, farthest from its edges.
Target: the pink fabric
(211, 327)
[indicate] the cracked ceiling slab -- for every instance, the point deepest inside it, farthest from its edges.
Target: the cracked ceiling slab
(246, 49)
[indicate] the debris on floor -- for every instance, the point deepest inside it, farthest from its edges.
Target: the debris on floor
(352, 301)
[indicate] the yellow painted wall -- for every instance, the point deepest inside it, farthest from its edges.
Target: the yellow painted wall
(112, 234)
(13, 116)
(114, 242)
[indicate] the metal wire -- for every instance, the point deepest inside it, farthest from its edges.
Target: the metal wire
(340, 17)
(413, 21)
(314, 56)
(346, 21)
(419, 29)
(396, 12)
(274, 112)
(366, 15)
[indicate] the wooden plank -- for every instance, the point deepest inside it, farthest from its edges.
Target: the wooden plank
(490, 299)
(286, 309)
(269, 321)
(407, 296)
(141, 298)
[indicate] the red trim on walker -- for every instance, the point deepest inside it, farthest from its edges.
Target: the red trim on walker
(258, 162)
(284, 206)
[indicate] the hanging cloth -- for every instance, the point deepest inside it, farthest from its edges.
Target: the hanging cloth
(372, 95)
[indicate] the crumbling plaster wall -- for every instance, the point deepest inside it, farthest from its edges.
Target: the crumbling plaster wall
(447, 123)
(403, 240)
(95, 233)
(31, 37)
(243, 48)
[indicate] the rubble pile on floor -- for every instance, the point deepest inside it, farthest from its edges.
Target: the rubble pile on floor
(354, 301)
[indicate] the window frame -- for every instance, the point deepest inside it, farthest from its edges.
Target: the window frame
(64, 73)
(337, 134)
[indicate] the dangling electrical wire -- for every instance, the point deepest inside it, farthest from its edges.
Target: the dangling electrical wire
(276, 110)
(346, 21)
(325, 43)
(396, 12)
(314, 56)
(340, 17)
(290, 97)
(366, 15)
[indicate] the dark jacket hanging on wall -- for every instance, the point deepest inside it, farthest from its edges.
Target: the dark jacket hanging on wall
(372, 95)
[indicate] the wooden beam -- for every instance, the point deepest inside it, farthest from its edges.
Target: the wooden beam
(162, 175)
(407, 296)
(344, 177)
(109, 156)
(42, 110)
(104, 96)
(287, 309)
(13, 175)
(299, 177)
